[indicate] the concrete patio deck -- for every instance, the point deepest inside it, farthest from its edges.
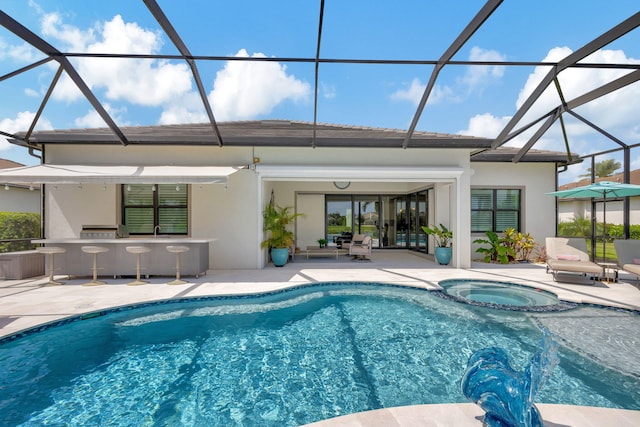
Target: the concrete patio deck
(28, 303)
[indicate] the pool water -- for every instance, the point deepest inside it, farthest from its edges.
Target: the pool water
(292, 358)
(499, 294)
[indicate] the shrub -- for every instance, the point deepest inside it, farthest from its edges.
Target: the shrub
(499, 248)
(18, 225)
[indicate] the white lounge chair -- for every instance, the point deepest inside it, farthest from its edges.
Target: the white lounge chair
(628, 252)
(360, 246)
(569, 255)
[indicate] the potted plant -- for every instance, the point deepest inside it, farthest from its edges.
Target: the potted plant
(443, 237)
(276, 220)
(322, 242)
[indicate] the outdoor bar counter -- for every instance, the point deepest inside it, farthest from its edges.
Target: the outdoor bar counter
(118, 262)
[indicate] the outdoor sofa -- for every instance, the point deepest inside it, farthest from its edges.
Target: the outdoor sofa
(628, 252)
(569, 255)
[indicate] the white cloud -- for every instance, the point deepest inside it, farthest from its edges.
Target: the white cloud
(187, 109)
(614, 112)
(415, 91)
(21, 122)
(485, 125)
(31, 93)
(244, 89)
(478, 76)
(328, 91)
(75, 39)
(140, 81)
(241, 90)
(93, 120)
(475, 79)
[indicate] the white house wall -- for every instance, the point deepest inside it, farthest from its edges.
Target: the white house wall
(233, 216)
(535, 179)
(68, 207)
(230, 216)
(18, 199)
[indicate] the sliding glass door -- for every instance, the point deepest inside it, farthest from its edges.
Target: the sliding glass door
(391, 221)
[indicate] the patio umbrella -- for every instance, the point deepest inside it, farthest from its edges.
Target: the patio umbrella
(602, 189)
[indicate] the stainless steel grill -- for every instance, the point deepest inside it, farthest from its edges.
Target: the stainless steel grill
(103, 232)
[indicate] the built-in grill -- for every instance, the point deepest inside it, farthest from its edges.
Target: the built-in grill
(103, 232)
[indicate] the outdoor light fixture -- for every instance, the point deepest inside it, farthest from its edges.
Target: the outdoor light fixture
(31, 188)
(6, 187)
(153, 188)
(129, 187)
(178, 187)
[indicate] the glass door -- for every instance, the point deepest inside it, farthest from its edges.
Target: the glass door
(366, 211)
(399, 230)
(339, 218)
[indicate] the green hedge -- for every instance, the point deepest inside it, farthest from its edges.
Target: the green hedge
(18, 225)
(582, 228)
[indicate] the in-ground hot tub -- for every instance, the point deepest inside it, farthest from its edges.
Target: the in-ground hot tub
(502, 295)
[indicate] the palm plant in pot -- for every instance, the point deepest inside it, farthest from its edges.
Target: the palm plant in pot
(276, 220)
(443, 237)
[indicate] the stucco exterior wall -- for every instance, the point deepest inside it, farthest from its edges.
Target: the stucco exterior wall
(232, 215)
(535, 180)
(19, 199)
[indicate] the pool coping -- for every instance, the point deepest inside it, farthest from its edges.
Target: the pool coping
(471, 415)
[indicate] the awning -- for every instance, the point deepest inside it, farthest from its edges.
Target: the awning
(104, 174)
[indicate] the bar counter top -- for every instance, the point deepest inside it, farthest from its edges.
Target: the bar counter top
(127, 240)
(116, 261)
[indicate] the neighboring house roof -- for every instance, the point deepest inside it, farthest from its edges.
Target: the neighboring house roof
(6, 164)
(634, 178)
(286, 133)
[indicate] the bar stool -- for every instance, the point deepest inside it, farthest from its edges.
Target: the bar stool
(138, 250)
(177, 250)
(95, 250)
(51, 251)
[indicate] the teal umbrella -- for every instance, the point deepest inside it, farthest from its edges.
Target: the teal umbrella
(602, 189)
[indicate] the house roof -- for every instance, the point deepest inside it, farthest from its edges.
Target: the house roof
(634, 178)
(507, 154)
(273, 133)
(287, 133)
(6, 164)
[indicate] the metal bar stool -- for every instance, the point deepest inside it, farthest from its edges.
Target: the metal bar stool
(177, 250)
(138, 250)
(95, 250)
(51, 251)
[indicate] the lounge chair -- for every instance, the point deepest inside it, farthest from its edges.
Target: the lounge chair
(360, 246)
(628, 252)
(569, 255)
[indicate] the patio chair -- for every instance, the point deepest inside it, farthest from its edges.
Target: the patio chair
(569, 255)
(628, 252)
(360, 246)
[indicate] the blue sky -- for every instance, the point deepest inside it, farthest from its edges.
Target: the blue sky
(469, 100)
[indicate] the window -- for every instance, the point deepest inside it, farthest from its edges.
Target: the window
(146, 206)
(495, 210)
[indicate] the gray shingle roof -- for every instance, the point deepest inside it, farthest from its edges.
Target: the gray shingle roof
(274, 133)
(286, 133)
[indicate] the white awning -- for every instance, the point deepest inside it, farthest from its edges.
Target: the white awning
(103, 174)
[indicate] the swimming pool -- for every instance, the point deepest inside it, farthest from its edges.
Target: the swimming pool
(297, 356)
